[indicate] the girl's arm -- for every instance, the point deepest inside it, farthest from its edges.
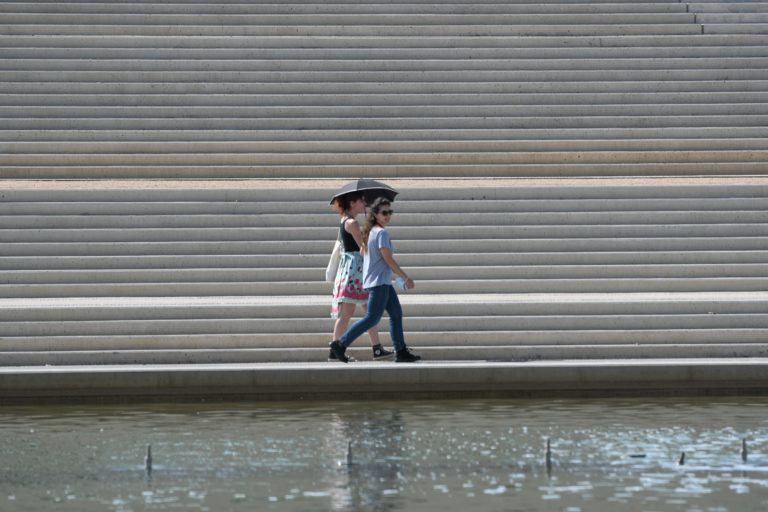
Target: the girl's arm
(352, 227)
(387, 256)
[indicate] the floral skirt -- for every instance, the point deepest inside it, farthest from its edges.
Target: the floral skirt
(348, 286)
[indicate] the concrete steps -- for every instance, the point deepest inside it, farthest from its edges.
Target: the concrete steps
(416, 90)
(413, 7)
(446, 328)
(459, 353)
(96, 275)
(190, 89)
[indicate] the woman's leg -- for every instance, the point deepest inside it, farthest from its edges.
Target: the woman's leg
(346, 310)
(377, 301)
(373, 332)
(395, 319)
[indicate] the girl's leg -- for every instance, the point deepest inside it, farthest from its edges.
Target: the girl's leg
(377, 300)
(395, 319)
(346, 310)
(373, 332)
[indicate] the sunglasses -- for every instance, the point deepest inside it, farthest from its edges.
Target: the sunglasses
(386, 213)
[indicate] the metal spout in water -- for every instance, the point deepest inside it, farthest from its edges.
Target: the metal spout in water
(744, 450)
(548, 456)
(682, 459)
(349, 453)
(148, 460)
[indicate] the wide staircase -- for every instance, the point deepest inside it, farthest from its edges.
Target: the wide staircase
(454, 103)
(316, 89)
(503, 273)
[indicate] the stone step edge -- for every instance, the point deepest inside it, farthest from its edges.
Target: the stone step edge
(434, 339)
(553, 285)
(506, 298)
(521, 327)
(270, 355)
(612, 377)
(309, 8)
(143, 309)
(437, 172)
(70, 145)
(455, 188)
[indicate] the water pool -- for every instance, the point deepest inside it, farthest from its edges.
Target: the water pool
(606, 455)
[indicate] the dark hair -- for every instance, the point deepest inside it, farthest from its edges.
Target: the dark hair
(370, 218)
(342, 203)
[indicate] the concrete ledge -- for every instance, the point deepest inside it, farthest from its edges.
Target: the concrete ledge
(497, 352)
(296, 381)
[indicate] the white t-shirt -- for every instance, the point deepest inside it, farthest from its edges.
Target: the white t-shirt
(376, 272)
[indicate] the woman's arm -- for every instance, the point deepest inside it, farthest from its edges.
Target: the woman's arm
(352, 227)
(387, 256)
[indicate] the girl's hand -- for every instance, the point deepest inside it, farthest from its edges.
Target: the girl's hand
(409, 284)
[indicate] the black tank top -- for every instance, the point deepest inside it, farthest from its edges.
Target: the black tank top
(347, 240)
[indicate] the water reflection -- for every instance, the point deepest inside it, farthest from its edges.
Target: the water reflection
(369, 472)
(383, 456)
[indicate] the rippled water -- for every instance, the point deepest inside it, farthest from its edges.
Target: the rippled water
(606, 455)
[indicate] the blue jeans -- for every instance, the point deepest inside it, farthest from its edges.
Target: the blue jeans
(380, 298)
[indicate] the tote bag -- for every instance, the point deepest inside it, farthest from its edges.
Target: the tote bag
(333, 264)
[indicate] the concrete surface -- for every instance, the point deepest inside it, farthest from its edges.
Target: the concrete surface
(336, 381)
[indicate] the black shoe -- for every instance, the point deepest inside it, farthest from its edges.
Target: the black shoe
(332, 357)
(406, 356)
(338, 351)
(380, 352)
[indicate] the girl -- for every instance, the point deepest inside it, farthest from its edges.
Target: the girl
(348, 287)
(379, 265)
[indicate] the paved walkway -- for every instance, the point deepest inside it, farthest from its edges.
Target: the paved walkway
(333, 183)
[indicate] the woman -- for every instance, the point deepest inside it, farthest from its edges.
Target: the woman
(378, 268)
(348, 288)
